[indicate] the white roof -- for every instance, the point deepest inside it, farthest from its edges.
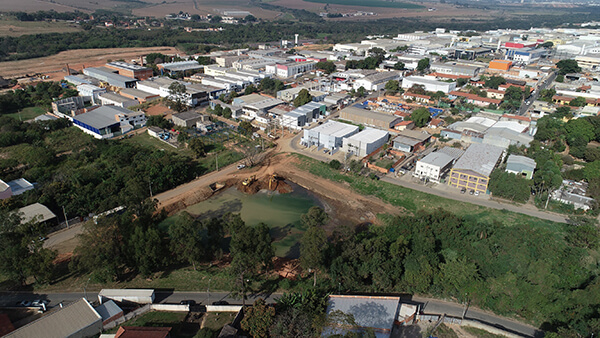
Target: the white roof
(3, 186)
(38, 211)
(126, 292)
(337, 129)
(369, 135)
(438, 159)
(512, 125)
(480, 158)
(481, 120)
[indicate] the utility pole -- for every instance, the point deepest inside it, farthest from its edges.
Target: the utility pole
(66, 219)
(150, 186)
(217, 160)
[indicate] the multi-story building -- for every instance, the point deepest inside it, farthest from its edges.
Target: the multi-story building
(131, 70)
(472, 171)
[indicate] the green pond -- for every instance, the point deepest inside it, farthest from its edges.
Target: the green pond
(281, 212)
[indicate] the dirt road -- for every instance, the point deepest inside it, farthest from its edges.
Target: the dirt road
(53, 65)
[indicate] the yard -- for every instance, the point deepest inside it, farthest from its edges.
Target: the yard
(175, 320)
(28, 113)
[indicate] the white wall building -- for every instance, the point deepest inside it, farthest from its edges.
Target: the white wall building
(433, 166)
(376, 81)
(430, 85)
(90, 91)
(329, 135)
(364, 142)
(291, 69)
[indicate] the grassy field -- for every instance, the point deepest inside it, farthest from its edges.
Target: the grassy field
(28, 113)
(369, 3)
(216, 320)
(18, 28)
(413, 200)
(158, 319)
(480, 333)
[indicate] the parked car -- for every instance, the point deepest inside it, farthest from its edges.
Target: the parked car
(189, 302)
(221, 302)
(477, 193)
(24, 303)
(463, 190)
(241, 166)
(39, 303)
(471, 192)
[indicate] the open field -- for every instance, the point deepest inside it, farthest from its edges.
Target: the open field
(54, 65)
(28, 113)
(18, 28)
(370, 3)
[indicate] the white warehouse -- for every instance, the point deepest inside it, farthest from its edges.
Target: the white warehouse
(430, 85)
(365, 142)
(329, 135)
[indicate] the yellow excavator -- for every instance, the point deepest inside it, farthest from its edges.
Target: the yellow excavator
(249, 180)
(273, 181)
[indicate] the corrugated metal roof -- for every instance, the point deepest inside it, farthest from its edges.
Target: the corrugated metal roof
(369, 135)
(437, 159)
(61, 323)
(108, 309)
(522, 160)
(101, 117)
(38, 211)
(337, 129)
(481, 158)
(368, 312)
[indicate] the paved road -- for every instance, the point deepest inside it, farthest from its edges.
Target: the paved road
(428, 305)
(63, 235)
(524, 107)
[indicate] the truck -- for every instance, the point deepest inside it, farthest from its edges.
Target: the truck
(139, 296)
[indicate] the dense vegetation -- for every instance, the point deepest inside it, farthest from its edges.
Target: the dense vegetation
(41, 94)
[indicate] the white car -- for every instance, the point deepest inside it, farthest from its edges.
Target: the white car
(39, 303)
(241, 166)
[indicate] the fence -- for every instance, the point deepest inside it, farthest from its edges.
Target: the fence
(63, 225)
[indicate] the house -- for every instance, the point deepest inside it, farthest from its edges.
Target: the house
(472, 171)
(474, 99)
(74, 320)
(38, 212)
(154, 131)
(436, 123)
(520, 165)
(205, 126)
(376, 313)
(187, 119)
(404, 125)
(410, 140)
(364, 142)
(143, 332)
(573, 193)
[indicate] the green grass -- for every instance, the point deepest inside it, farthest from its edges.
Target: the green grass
(216, 320)
(369, 3)
(11, 27)
(145, 140)
(413, 201)
(158, 319)
(444, 331)
(28, 113)
(480, 333)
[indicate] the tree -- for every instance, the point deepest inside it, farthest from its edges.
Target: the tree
(399, 65)
(506, 185)
(461, 81)
(420, 117)
(250, 89)
(547, 94)
(361, 91)
(335, 164)
(250, 18)
(245, 128)
(494, 81)
(147, 249)
(312, 247)
(303, 98)
(547, 177)
(176, 94)
(327, 66)
(315, 217)
(159, 121)
(423, 65)
(547, 44)
(185, 239)
(392, 87)
(227, 113)
(578, 102)
(155, 58)
(568, 66)
(197, 146)
(258, 319)
(215, 19)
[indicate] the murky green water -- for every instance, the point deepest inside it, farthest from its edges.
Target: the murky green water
(281, 212)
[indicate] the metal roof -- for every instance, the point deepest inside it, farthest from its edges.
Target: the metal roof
(437, 159)
(136, 92)
(180, 65)
(108, 309)
(456, 153)
(102, 117)
(522, 160)
(36, 211)
(115, 97)
(126, 66)
(480, 158)
(108, 74)
(19, 186)
(3, 186)
(336, 129)
(188, 115)
(61, 323)
(417, 135)
(369, 135)
(369, 114)
(368, 311)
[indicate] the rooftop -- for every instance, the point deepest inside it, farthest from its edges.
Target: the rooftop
(518, 159)
(336, 129)
(180, 65)
(60, 323)
(115, 97)
(454, 152)
(108, 309)
(108, 74)
(480, 158)
(36, 211)
(125, 65)
(102, 117)
(414, 134)
(369, 135)
(136, 92)
(424, 79)
(187, 115)
(18, 186)
(369, 114)
(3, 186)
(438, 159)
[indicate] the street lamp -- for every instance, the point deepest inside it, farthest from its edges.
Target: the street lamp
(208, 291)
(85, 287)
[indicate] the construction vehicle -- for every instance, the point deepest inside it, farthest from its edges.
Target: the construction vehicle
(273, 181)
(249, 180)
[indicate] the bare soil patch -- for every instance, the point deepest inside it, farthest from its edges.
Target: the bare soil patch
(55, 65)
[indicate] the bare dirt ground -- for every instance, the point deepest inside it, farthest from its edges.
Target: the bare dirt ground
(54, 65)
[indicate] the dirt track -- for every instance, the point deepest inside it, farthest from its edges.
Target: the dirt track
(54, 65)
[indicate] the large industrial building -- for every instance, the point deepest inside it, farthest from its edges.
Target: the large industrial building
(131, 70)
(369, 118)
(436, 164)
(109, 121)
(329, 135)
(364, 142)
(179, 66)
(472, 171)
(110, 76)
(160, 86)
(428, 83)
(114, 99)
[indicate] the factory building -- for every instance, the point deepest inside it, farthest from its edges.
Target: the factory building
(131, 70)
(369, 118)
(430, 85)
(364, 142)
(329, 135)
(136, 94)
(160, 86)
(114, 99)
(472, 171)
(179, 66)
(109, 121)
(376, 81)
(90, 92)
(290, 69)
(110, 77)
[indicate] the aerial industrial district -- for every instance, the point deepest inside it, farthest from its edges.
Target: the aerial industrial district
(443, 113)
